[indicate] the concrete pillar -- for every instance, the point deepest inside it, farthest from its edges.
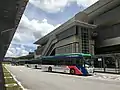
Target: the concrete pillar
(2, 87)
(1, 58)
(1, 71)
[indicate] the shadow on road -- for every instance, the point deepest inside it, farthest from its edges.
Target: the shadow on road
(66, 73)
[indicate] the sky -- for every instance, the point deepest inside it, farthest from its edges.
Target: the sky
(41, 17)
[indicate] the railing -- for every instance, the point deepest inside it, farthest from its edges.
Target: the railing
(108, 70)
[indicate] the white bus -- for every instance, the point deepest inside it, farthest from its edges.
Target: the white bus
(33, 64)
(74, 63)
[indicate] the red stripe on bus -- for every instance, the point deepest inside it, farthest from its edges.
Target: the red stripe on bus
(77, 71)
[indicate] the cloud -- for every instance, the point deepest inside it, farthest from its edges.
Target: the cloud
(24, 52)
(15, 51)
(27, 33)
(36, 26)
(31, 30)
(53, 6)
(85, 3)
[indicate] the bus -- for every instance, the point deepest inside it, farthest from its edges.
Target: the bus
(33, 63)
(73, 63)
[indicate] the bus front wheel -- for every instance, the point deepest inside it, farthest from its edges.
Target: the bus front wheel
(72, 71)
(49, 69)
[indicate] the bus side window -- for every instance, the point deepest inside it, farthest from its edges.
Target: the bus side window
(74, 60)
(68, 61)
(79, 61)
(60, 62)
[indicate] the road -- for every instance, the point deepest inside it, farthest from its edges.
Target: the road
(35, 79)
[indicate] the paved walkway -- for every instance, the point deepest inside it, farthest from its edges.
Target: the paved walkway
(35, 79)
(107, 76)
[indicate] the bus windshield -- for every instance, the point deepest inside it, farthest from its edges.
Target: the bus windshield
(88, 62)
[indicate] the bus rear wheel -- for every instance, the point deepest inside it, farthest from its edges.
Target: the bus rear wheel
(27, 65)
(35, 66)
(49, 69)
(72, 71)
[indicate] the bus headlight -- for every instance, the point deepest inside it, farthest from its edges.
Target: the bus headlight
(90, 70)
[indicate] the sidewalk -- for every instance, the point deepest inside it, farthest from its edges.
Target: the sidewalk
(107, 76)
(10, 83)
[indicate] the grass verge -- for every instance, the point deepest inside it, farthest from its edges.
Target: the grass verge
(10, 83)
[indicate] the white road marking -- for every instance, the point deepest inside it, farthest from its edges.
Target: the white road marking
(21, 70)
(18, 82)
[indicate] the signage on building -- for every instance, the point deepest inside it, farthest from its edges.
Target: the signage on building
(99, 59)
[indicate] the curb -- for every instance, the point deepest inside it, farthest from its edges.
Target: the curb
(19, 83)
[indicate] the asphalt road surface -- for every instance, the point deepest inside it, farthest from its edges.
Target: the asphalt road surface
(35, 79)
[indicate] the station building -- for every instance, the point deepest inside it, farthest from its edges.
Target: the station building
(95, 30)
(72, 37)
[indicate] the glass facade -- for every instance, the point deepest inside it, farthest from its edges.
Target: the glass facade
(82, 44)
(39, 50)
(70, 48)
(85, 40)
(106, 63)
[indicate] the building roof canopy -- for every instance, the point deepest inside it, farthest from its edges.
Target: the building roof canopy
(11, 12)
(60, 29)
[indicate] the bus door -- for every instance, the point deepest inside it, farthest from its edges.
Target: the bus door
(59, 67)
